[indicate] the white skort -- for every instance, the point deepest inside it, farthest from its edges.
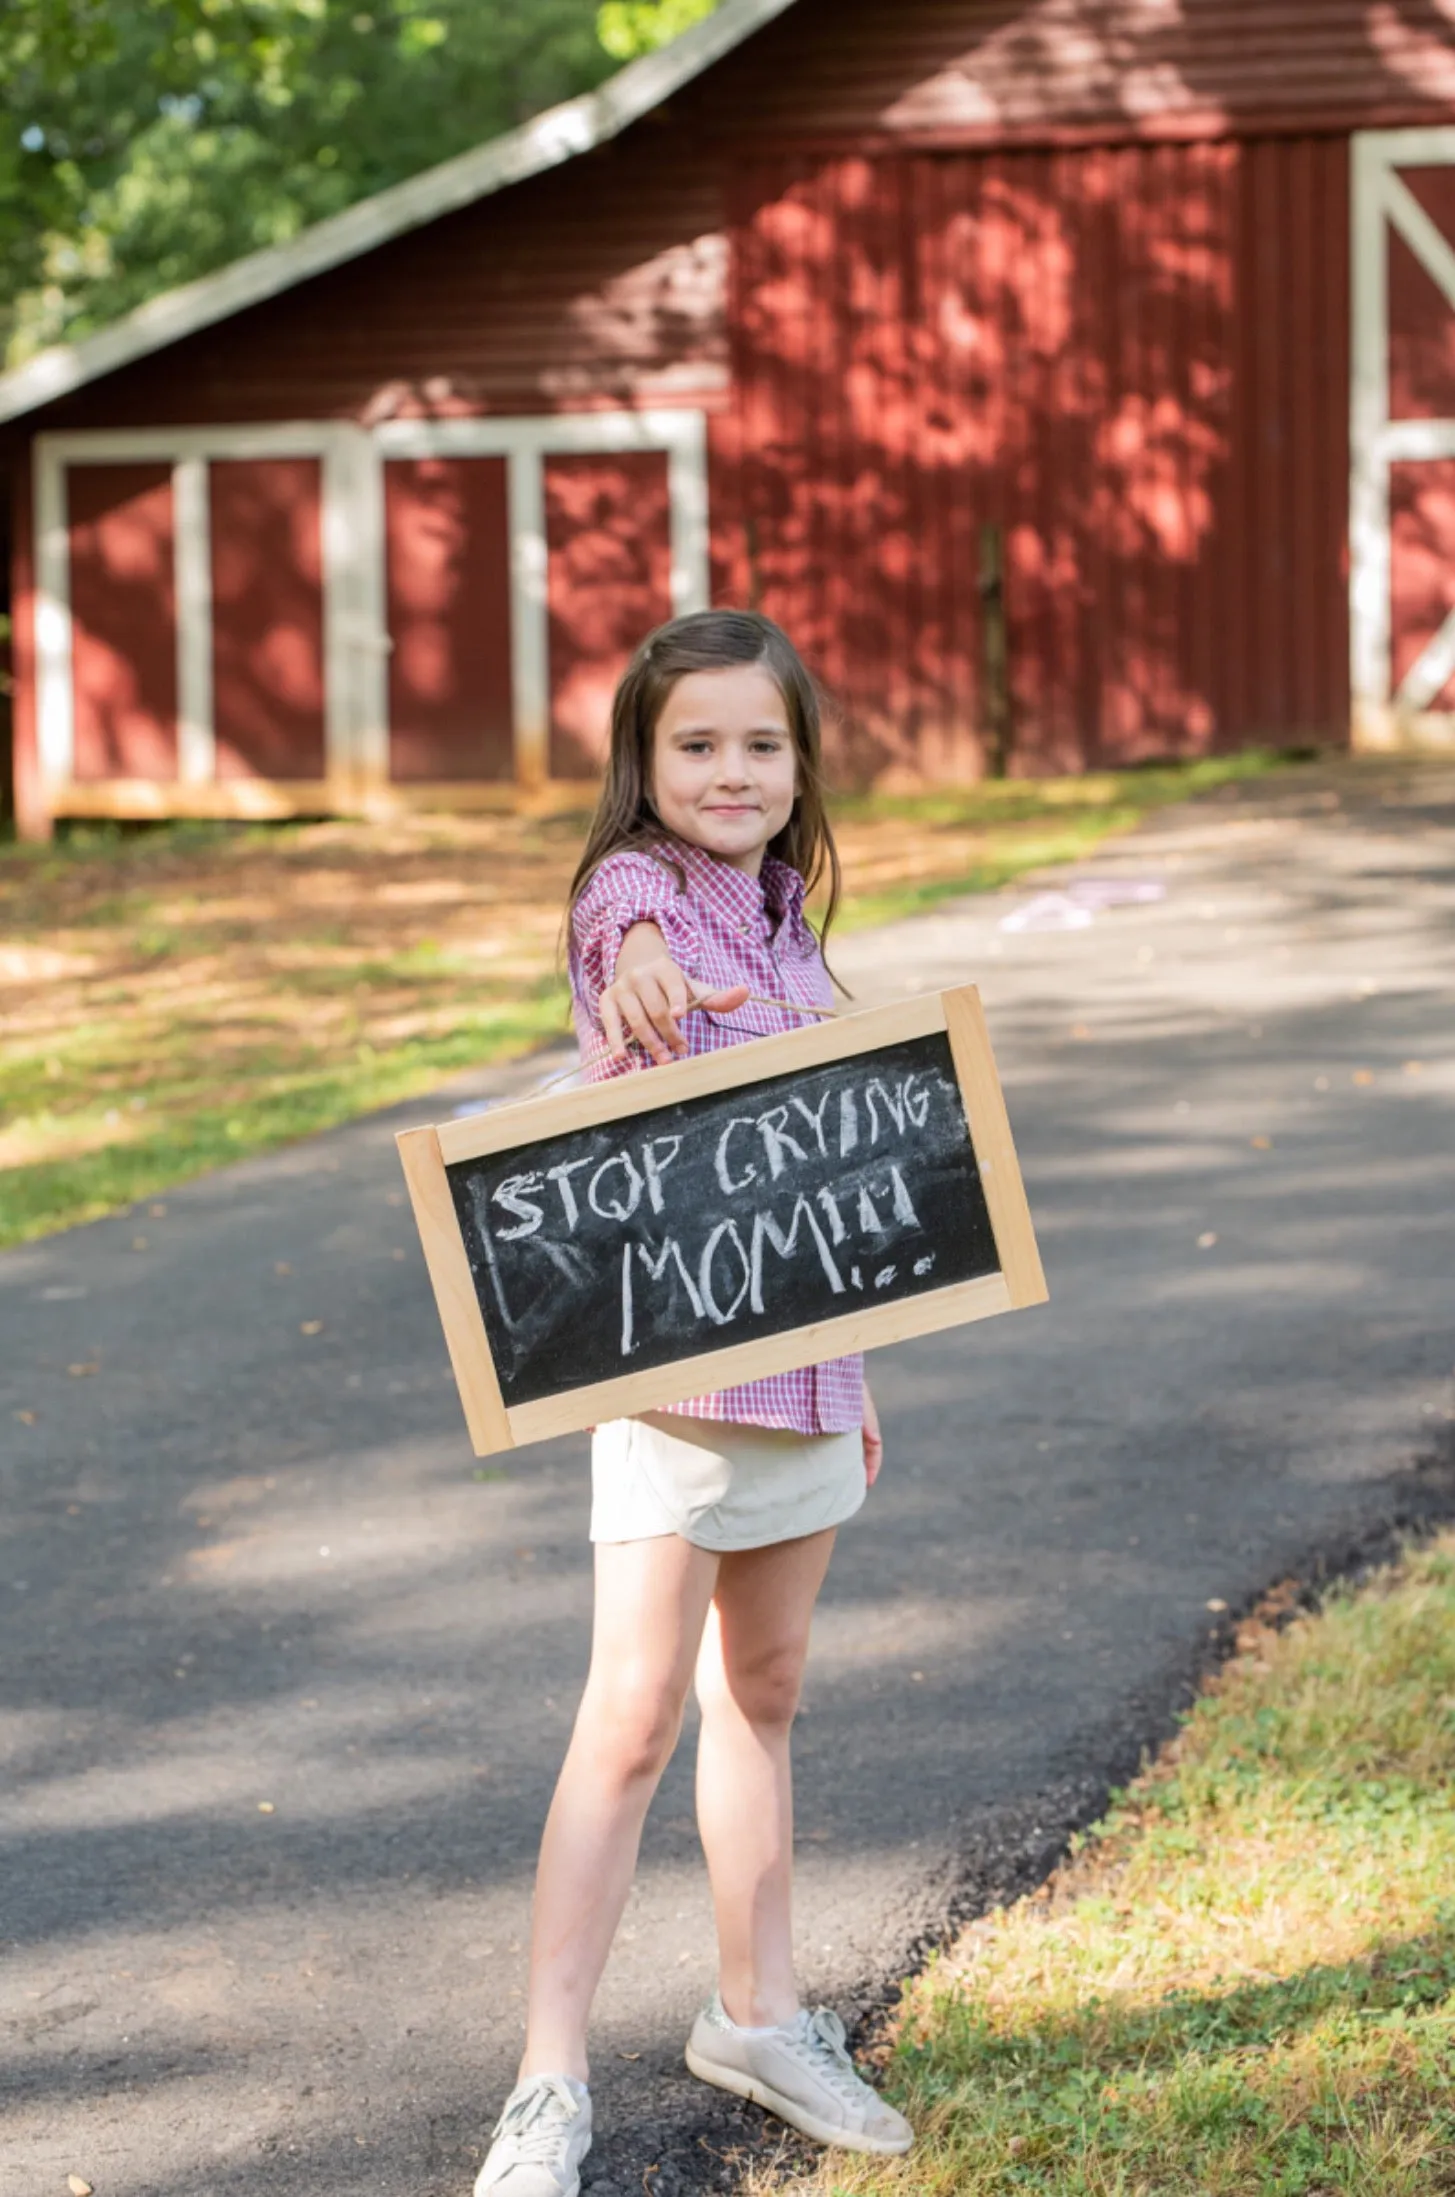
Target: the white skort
(721, 1487)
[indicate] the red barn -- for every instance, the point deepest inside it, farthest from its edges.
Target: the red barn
(1155, 298)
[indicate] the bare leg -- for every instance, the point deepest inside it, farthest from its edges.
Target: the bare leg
(749, 1673)
(651, 1600)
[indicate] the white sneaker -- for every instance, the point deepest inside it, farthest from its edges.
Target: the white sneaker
(540, 2140)
(803, 2073)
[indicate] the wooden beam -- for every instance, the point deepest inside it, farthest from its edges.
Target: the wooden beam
(531, 1119)
(868, 1328)
(33, 815)
(192, 564)
(454, 1291)
(1000, 1175)
(155, 800)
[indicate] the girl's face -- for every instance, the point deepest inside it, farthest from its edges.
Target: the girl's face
(724, 773)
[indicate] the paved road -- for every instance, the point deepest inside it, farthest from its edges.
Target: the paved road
(286, 1678)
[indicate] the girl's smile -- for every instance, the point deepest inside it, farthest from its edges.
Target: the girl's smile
(724, 773)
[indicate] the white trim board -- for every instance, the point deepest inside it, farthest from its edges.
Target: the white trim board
(1381, 202)
(55, 721)
(544, 434)
(560, 134)
(192, 587)
(356, 640)
(353, 720)
(525, 444)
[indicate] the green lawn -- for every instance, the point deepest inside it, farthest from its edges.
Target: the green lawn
(176, 998)
(1242, 1984)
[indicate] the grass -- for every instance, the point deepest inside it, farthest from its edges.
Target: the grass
(179, 997)
(1242, 1983)
(186, 997)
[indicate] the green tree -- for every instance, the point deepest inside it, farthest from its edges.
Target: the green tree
(146, 143)
(627, 28)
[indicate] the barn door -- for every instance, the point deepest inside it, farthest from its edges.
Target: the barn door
(269, 620)
(525, 559)
(1402, 501)
(197, 619)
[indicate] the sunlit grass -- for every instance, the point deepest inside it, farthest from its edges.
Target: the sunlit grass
(190, 1122)
(1243, 1982)
(177, 998)
(181, 998)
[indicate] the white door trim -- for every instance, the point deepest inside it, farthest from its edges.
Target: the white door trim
(350, 546)
(1384, 716)
(192, 558)
(355, 629)
(54, 707)
(530, 624)
(525, 444)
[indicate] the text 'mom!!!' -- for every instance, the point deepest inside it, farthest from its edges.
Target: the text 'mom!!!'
(767, 1168)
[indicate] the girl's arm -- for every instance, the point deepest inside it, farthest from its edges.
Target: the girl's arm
(873, 1440)
(649, 993)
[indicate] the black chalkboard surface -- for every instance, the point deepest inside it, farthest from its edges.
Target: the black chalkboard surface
(614, 1249)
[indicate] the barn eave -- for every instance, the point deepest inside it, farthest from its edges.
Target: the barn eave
(547, 141)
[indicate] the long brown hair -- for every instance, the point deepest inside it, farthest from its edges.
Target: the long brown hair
(709, 640)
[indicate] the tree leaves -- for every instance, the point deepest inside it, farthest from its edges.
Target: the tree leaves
(146, 145)
(627, 28)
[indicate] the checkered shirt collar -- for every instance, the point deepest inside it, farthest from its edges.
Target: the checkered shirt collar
(732, 893)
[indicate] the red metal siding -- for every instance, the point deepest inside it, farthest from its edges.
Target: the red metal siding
(595, 284)
(609, 582)
(603, 281)
(993, 71)
(1132, 360)
(448, 552)
(267, 636)
(123, 621)
(1421, 323)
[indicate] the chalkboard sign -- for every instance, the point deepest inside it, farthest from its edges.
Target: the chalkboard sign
(622, 1247)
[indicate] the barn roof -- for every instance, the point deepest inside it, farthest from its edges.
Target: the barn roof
(560, 134)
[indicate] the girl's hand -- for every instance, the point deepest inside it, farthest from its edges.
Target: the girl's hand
(873, 1440)
(649, 994)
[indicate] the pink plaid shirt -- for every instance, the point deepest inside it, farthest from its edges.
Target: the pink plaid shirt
(723, 928)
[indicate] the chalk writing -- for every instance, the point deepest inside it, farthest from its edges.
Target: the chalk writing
(746, 1212)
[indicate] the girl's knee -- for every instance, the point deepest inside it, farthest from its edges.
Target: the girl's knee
(762, 1684)
(631, 1724)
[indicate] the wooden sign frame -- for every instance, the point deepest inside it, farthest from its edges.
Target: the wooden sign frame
(426, 1153)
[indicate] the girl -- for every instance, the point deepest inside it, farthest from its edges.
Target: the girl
(712, 1522)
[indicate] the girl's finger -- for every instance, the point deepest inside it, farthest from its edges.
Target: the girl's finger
(611, 1025)
(724, 1001)
(642, 1026)
(655, 997)
(679, 994)
(650, 1001)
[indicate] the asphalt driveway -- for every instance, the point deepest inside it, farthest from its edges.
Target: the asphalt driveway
(285, 1675)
